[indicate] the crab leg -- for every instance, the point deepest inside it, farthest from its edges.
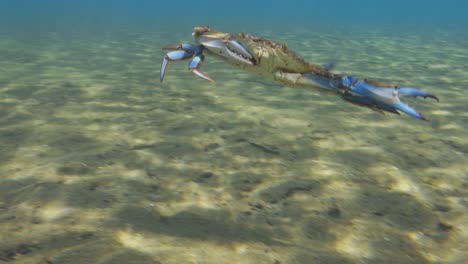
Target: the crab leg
(183, 51)
(180, 46)
(173, 56)
(194, 67)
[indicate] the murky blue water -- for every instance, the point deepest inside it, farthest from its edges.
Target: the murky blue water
(100, 162)
(418, 13)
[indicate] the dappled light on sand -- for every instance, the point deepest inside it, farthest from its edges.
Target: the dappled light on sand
(100, 162)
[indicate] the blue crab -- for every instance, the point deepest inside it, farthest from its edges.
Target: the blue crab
(275, 61)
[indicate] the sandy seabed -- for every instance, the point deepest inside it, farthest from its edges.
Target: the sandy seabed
(102, 163)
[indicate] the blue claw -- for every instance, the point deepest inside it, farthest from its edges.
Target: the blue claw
(409, 110)
(380, 96)
(405, 91)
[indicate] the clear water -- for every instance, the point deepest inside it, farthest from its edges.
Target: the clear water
(102, 163)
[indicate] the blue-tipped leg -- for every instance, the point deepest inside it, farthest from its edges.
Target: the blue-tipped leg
(173, 56)
(183, 51)
(180, 46)
(381, 96)
(194, 67)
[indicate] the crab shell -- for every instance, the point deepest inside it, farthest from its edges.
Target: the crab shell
(255, 54)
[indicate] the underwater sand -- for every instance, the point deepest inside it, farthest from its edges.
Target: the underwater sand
(101, 163)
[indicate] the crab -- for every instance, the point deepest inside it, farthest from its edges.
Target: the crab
(276, 61)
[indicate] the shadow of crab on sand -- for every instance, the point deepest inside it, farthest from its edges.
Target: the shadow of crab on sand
(196, 223)
(378, 239)
(374, 223)
(379, 223)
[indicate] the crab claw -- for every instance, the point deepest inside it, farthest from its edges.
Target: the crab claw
(405, 91)
(412, 92)
(384, 98)
(227, 47)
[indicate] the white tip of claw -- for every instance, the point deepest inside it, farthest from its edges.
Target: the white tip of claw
(201, 74)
